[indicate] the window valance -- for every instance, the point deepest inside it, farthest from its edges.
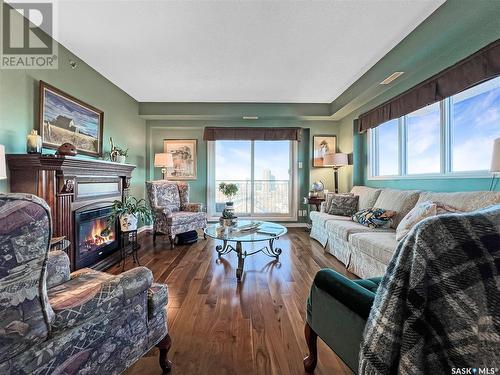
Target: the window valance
(479, 67)
(251, 134)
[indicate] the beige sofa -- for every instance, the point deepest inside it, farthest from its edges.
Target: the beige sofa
(366, 252)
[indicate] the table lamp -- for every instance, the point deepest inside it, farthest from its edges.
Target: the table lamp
(335, 161)
(495, 158)
(3, 169)
(164, 161)
(495, 161)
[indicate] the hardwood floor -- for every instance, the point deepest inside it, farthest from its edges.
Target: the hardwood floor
(221, 327)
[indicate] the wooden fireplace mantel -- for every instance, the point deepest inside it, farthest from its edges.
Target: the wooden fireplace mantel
(60, 181)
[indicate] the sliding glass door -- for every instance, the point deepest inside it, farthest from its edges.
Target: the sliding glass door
(263, 172)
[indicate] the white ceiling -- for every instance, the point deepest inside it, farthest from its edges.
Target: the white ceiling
(236, 51)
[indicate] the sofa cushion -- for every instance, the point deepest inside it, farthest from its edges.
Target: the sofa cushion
(185, 217)
(401, 201)
(380, 246)
(322, 217)
(343, 229)
(464, 201)
(367, 196)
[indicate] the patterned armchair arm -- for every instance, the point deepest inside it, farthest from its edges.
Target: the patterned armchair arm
(136, 281)
(157, 299)
(192, 207)
(58, 271)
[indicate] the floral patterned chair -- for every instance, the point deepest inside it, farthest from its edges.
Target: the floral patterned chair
(172, 212)
(56, 322)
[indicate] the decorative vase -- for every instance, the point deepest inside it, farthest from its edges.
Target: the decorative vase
(121, 159)
(229, 207)
(34, 143)
(128, 222)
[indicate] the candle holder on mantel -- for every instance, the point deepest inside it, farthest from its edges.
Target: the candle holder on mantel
(34, 143)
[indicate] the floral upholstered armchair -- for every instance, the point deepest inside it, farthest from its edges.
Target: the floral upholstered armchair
(56, 322)
(172, 212)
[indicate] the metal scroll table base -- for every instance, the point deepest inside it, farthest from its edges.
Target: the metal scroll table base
(226, 248)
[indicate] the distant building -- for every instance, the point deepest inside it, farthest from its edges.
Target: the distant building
(65, 123)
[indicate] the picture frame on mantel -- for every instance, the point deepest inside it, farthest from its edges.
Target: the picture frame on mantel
(66, 119)
(322, 145)
(184, 158)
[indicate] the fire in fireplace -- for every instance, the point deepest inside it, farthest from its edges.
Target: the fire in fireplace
(95, 235)
(95, 241)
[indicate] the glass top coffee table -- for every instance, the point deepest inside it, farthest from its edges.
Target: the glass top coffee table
(246, 231)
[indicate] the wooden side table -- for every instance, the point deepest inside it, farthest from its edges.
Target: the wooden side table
(315, 201)
(131, 235)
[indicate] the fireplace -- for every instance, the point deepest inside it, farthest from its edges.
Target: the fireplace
(94, 240)
(79, 193)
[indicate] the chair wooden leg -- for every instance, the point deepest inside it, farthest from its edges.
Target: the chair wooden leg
(311, 360)
(154, 237)
(164, 346)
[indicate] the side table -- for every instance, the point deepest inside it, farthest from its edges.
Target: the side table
(316, 202)
(131, 235)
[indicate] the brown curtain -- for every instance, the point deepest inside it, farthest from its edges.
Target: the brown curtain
(479, 67)
(252, 134)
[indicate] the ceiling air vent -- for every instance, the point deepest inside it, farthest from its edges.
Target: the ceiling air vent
(391, 78)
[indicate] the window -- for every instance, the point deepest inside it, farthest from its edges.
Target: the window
(454, 136)
(263, 172)
(387, 149)
(475, 124)
(423, 140)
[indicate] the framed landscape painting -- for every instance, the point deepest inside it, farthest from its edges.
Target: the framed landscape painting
(184, 156)
(65, 119)
(322, 145)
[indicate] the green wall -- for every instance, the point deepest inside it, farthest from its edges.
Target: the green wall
(19, 110)
(158, 130)
(455, 31)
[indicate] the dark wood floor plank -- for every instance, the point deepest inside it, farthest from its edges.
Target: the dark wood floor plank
(220, 326)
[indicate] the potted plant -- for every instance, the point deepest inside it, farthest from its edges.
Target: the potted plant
(228, 219)
(117, 154)
(129, 212)
(229, 191)
(120, 155)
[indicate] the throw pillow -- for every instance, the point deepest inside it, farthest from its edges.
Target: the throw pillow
(374, 217)
(343, 205)
(420, 212)
(329, 197)
(416, 214)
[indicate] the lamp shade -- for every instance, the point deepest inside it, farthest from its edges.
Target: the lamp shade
(335, 160)
(495, 158)
(164, 160)
(3, 169)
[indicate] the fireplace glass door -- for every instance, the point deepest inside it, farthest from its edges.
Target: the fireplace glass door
(95, 240)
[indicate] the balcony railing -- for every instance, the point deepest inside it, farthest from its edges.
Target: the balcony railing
(270, 196)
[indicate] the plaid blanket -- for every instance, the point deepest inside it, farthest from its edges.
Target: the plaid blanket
(438, 306)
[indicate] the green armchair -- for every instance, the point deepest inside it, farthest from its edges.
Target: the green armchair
(337, 311)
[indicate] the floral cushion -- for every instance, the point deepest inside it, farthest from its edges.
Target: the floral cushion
(343, 204)
(374, 217)
(420, 212)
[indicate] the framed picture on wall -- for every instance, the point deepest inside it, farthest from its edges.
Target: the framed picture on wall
(184, 158)
(65, 119)
(322, 145)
